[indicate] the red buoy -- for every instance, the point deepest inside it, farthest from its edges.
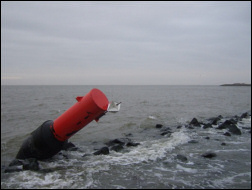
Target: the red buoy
(48, 139)
(86, 109)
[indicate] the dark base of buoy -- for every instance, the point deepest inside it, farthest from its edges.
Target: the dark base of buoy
(41, 144)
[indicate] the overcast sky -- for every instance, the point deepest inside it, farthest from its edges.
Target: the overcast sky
(90, 43)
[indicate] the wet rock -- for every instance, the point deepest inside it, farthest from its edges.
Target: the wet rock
(209, 155)
(31, 164)
(69, 147)
(207, 138)
(128, 135)
(166, 132)
(132, 144)
(117, 141)
(245, 115)
(181, 158)
(11, 169)
(189, 127)
(193, 141)
(20, 165)
(195, 122)
(215, 120)
(227, 134)
(180, 126)
(158, 126)
(230, 125)
(223, 144)
(117, 148)
(208, 125)
(85, 155)
(103, 150)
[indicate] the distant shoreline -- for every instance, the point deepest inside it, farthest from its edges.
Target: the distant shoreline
(236, 84)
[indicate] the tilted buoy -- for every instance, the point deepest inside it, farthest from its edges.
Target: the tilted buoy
(48, 139)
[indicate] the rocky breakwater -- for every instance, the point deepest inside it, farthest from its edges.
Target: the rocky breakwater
(228, 125)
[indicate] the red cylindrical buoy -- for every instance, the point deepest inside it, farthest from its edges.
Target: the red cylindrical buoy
(48, 139)
(86, 109)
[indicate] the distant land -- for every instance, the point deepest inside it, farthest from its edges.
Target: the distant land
(236, 84)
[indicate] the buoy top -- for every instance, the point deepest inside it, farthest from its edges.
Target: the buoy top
(100, 99)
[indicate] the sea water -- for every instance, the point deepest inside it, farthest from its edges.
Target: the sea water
(153, 163)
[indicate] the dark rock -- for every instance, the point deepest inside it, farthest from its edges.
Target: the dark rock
(189, 127)
(20, 165)
(195, 122)
(245, 115)
(16, 162)
(215, 120)
(103, 150)
(208, 125)
(207, 138)
(10, 169)
(69, 146)
(158, 126)
(166, 133)
(209, 155)
(31, 164)
(193, 141)
(227, 134)
(132, 144)
(223, 144)
(117, 148)
(230, 125)
(117, 141)
(128, 135)
(181, 158)
(236, 118)
(234, 129)
(85, 155)
(247, 128)
(180, 126)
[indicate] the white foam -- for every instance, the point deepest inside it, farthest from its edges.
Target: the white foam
(152, 117)
(189, 170)
(148, 150)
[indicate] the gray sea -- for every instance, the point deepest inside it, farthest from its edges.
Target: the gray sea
(154, 163)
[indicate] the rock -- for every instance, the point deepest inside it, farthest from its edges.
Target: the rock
(180, 126)
(189, 127)
(69, 146)
(103, 150)
(209, 155)
(10, 169)
(31, 164)
(117, 141)
(234, 129)
(128, 135)
(227, 134)
(215, 120)
(245, 115)
(230, 125)
(167, 131)
(158, 126)
(195, 122)
(208, 125)
(117, 148)
(132, 144)
(20, 165)
(207, 138)
(223, 144)
(193, 141)
(181, 158)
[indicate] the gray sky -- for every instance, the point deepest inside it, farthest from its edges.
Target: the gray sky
(90, 43)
